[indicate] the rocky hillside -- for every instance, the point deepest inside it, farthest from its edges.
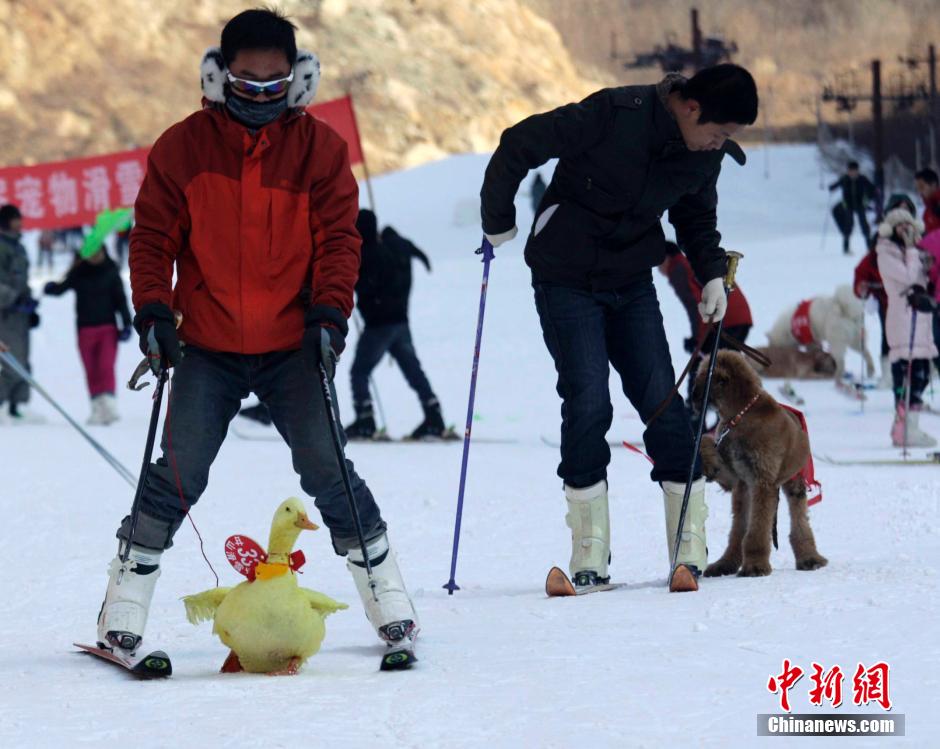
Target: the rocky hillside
(430, 77)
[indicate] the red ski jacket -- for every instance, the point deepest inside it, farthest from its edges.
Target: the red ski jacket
(738, 313)
(256, 227)
(868, 280)
(932, 212)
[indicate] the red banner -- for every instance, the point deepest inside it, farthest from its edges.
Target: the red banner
(63, 194)
(71, 193)
(340, 115)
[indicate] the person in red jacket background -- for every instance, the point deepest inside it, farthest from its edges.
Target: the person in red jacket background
(738, 320)
(928, 186)
(868, 285)
(254, 204)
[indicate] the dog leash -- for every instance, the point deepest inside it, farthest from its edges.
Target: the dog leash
(730, 342)
(737, 419)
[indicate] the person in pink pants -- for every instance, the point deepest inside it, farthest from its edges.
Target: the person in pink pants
(99, 299)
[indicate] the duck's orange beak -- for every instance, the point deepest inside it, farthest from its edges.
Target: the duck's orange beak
(304, 522)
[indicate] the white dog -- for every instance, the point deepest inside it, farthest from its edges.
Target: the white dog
(833, 323)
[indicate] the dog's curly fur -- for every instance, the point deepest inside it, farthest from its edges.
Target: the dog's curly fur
(761, 454)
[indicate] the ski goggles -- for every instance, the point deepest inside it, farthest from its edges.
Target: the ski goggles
(254, 88)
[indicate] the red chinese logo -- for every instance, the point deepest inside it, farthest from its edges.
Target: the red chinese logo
(871, 685)
(784, 682)
(868, 685)
(826, 685)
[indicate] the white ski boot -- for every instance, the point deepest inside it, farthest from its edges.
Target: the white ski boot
(693, 552)
(123, 614)
(390, 610)
(97, 413)
(109, 412)
(589, 519)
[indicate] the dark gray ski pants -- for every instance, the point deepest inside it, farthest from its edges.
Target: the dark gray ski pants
(206, 393)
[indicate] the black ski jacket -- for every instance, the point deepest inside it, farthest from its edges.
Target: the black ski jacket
(99, 293)
(622, 164)
(855, 192)
(384, 284)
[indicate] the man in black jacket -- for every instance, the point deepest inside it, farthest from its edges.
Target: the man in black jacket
(626, 156)
(857, 193)
(382, 293)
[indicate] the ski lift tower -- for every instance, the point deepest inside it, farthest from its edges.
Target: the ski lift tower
(704, 52)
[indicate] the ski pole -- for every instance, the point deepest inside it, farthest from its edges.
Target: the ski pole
(145, 466)
(372, 386)
(331, 416)
(9, 360)
(907, 379)
(733, 258)
(486, 250)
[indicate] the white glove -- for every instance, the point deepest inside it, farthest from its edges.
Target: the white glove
(714, 301)
(497, 239)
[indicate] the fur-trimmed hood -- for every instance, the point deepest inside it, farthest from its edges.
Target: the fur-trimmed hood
(302, 89)
(896, 217)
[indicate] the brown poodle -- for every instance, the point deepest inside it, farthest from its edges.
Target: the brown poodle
(760, 448)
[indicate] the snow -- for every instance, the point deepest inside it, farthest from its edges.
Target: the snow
(501, 666)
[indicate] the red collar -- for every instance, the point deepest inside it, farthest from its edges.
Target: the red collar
(737, 419)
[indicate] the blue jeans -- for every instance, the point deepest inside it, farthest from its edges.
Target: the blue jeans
(586, 332)
(207, 390)
(374, 343)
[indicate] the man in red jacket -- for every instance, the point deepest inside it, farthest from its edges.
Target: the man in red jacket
(254, 203)
(928, 186)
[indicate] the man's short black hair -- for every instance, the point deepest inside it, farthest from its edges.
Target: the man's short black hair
(726, 93)
(852, 165)
(8, 213)
(261, 28)
(928, 175)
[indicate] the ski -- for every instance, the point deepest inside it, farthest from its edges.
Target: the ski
(787, 391)
(400, 637)
(155, 665)
(398, 658)
(930, 460)
(558, 585)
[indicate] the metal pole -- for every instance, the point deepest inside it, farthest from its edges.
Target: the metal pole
(733, 258)
(487, 251)
(9, 360)
(145, 466)
(879, 132)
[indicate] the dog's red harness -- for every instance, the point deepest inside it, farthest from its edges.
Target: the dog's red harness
(813, 487)
(799, 324)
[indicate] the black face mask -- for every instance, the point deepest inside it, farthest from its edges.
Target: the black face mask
(254, 114)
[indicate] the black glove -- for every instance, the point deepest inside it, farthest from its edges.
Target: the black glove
(689, 344)
(33, 319)
(50, 287)
(324, 338)
(920, 300)
(125, 333)
(158, 339)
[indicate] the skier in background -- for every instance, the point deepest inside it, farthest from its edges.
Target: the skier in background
(626, 156)
(17, 316)
(904, 272)
(250, 171)
(382, 293)
(99, 297)
(857, 193)
(928, 187)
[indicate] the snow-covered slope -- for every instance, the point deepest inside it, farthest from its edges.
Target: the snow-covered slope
(501, 666)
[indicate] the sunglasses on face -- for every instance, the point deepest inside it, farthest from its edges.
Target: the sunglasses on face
(253, 88)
